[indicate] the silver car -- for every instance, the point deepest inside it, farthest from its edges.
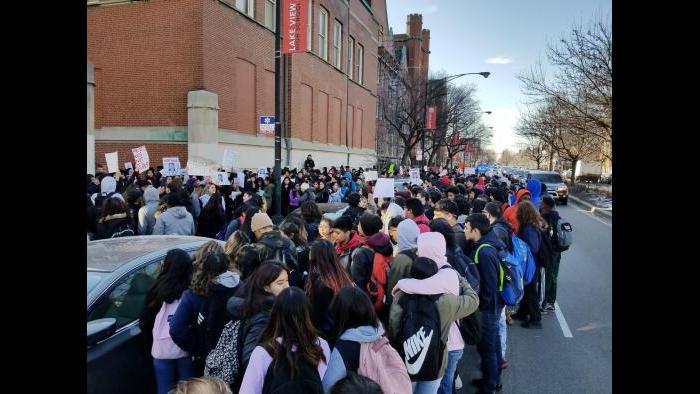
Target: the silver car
(554, 183)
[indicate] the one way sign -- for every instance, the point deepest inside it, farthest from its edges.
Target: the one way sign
(267, 125)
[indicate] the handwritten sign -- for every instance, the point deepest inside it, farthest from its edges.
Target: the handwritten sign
(221, 178)
(128, 165)
(415, 176)
(112, 162)
(141, 158)
(262, 172)
(171, 166)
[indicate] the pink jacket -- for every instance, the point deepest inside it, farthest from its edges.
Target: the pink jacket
(260, 360)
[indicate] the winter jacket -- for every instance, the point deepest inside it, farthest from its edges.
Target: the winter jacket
(320, 299)
(461, 238)
(234, 225)
(210, 222)
(308, 195)
(293, 198)
(114, 226)
(504, 231)
(488, 264)
(423, 223)
(510, 213)
(346, 353)
(531, 236)
(260, 361)
(363, 259)
(345, 251)
(269, 191)
(354, 213)
(534, 186)
(185, 328)
(450, 308)
(309, 164)
(268, 246)
(174, 221)
(322, 196)
(336, 197)
(146, 215)
(253, 325)
(196, 205)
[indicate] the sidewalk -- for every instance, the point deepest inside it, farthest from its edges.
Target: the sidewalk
(602, 212)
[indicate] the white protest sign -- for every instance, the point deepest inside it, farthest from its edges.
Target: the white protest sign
(221, 179)
(141, 158)
(415, 176)
(112, 162)
(199, 168)
(171, 166)
(384, 188)
(227, 160)
(371, 176)
(128, 165)
(262, 172)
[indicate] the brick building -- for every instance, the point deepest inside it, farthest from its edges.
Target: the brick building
(192, 77)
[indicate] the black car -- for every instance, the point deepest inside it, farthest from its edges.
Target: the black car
(120, 272)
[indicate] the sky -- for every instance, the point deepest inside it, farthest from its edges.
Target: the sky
(504, 37)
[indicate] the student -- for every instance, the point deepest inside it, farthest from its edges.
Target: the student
(346, 240)
(337, 195)
(294, 229)
(443, 291)
(414, 211)
(551, 217)
(287, 187)
(146, 214)
(354, 210)
(114, 220)
(324, 229)
(212, 218)
(254, 304)
(389, 211)
(446, 209)
(326, 279)
(530, 221)
(393, 230)
(289, 346)
(175, 220)
(201, 315)
(510, 213)
(375, 244)
(312, 218)
(294, 195)
(273, 245)
(356, 384)
(356, 323)
(234, 243)
(322, 193)
(170, 362)
(203, 385)
(248, 261)
(407, 232)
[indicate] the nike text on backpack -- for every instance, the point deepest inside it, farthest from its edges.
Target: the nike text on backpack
(564, 236)
(382, 363)
(376, 286)
(523, 256)
(421, 345)
(224, 361)
(511, 285)
(278, 379)
(163, 346)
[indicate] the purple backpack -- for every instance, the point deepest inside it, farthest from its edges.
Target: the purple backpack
(163, 346)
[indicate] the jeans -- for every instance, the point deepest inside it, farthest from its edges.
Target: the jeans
(448, 379)
(490, 350)
(502, 333)
(551, 275)
(427, 387)
(169, 372)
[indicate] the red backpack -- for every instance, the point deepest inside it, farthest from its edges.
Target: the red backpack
(376, 287)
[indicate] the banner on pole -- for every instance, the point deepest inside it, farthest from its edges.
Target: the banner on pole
(431, 117)
(294, 15)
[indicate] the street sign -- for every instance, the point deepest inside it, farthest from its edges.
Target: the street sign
(294, 15)
(267, 125)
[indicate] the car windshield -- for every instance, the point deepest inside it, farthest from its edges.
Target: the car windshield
(548, 178)
(93, 279)
(109, 255)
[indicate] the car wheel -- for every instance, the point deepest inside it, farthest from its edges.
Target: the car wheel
(565, 201)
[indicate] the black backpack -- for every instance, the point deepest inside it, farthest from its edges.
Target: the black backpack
(278, 377)
(420, 346)
(546, 252)
(211, 319)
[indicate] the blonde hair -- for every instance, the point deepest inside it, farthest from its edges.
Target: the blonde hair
(203, 385)
(211, 246)
(235, 242)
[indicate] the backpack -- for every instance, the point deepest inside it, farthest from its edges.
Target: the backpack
(224, 361)
(211, 320)
(278, 378)
(163, 346)
(470, 326)
(466, 268)
(376, 286)
(283, 254)
(511, 285)
(522, 254)
(420, 345)
(563, 235)
(382, 363)
(544, 255)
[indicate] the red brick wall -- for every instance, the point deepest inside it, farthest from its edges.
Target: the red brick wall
(156, 152)
(147, 57)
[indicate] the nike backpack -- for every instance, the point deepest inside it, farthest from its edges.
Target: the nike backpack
(420, 344)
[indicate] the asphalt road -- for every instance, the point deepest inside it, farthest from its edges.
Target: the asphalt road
(545, 361)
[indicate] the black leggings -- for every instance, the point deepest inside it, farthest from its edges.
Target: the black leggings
(530, 304)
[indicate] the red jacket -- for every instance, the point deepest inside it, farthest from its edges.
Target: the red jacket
(510, 213)
(423, 223)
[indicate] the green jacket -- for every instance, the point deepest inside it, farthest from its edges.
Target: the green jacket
(450, 308)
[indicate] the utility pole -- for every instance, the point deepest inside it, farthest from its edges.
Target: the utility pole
(277, 173)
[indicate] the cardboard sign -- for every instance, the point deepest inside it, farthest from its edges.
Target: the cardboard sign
(112, 162)
(371, 176)
(227, 160)
(128, 165)
(141, 158)
(171, 166)
(415, 176)
(199, 168)
(221, 178)
(384, 188)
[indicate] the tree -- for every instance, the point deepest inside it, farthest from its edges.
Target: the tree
(533, 149)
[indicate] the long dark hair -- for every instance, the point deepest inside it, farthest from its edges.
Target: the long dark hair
(214, 204)
(295, 228)
(443, 227)
(255, 293)
(352, 308)
(245, 227)
(173, 279)
(114, 206)
(213, 265)
(290, 320)
(323, 265)
(526, 213)
(248, 260)
(310, 211)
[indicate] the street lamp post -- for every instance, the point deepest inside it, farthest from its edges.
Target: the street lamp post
(446, 79)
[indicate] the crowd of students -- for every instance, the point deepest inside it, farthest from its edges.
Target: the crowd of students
(381, 296)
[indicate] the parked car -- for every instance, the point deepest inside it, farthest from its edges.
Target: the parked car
(554, 182)
(120, 272)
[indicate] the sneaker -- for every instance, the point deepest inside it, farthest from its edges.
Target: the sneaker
(549, 307)
(532, 324)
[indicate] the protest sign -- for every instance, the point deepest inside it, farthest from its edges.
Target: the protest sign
(112, 162)
(415, 176)
(171, 166)
(262, 172)
(384, 188)
(141, 158)
(199, 168)
(371, 176)
(128, 165)
(221, 178)
(227, 160)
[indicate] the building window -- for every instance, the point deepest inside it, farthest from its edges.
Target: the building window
(351, 56)
(247, 7)
(323, 34)
(337, 43)
(310, 26)
(360, 62)
(270, 14)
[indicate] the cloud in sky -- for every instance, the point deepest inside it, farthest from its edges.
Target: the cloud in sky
(499, 60)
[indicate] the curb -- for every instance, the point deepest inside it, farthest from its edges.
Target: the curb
(602, 212)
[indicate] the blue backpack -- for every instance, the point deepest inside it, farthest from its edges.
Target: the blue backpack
(511, 285)
(523, 256)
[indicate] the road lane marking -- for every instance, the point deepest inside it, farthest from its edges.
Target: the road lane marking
(592, 215)
(562, 321)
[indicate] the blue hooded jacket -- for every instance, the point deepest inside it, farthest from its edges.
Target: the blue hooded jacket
(534, 186)
(488, 262)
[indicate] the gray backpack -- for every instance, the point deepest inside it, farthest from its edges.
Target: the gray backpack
(564, 235)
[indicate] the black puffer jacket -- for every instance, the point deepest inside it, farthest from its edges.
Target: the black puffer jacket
(253, 325)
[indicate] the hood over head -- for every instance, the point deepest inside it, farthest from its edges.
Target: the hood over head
(108, 185)
(432, 245)
(408, 233)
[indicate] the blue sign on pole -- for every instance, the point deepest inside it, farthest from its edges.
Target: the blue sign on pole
(267, 125)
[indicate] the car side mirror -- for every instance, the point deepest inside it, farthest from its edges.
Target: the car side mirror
(100, 329)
